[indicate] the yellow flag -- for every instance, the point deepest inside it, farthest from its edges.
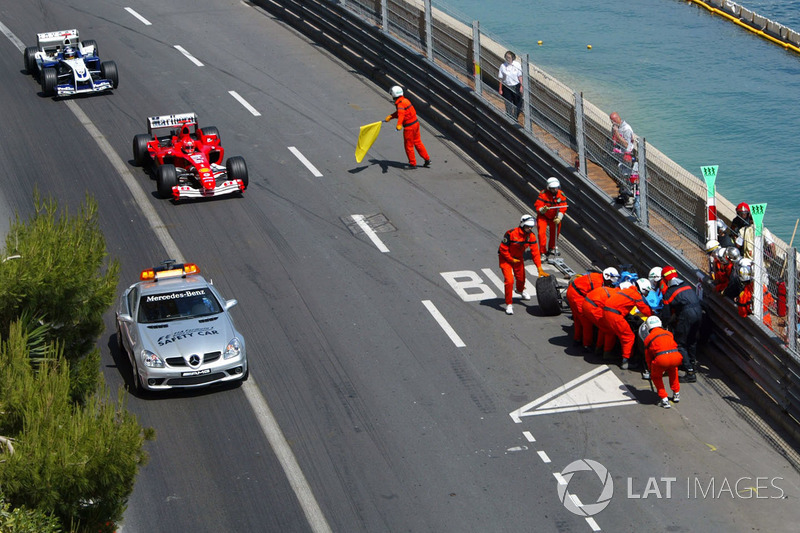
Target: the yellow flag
(366, 137)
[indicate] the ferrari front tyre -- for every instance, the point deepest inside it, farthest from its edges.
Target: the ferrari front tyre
(29, 55)
(108, 71)
(49, 81)
(91, 42)
(166, 179)
(237, 169)
(208, 131)
(141, 156)
(547, 295)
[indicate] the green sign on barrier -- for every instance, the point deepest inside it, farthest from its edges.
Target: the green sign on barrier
(710, 175)
(758, 210)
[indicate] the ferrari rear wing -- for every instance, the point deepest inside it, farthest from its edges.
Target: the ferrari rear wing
(170, 121)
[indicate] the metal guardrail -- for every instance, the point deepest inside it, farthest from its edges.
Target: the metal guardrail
(744, 347)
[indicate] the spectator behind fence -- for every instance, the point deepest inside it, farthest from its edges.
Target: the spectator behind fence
(622, 137)
(510, 75)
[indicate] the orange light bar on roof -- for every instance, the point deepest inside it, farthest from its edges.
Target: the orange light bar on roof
(154, 274)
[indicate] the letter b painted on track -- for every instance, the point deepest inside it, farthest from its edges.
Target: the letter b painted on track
(468, 285)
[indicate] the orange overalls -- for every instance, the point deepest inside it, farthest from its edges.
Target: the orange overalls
(592, 312)
(511, 253)
(576, 293)
(614, 312)
(744, 303)
(721, 275)
(556, 204)
(407, 120)
(662, 355)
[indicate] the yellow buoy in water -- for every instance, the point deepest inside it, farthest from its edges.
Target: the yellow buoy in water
(589, 46)
(539, 43)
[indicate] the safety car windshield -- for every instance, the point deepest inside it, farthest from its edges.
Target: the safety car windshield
(190, 303)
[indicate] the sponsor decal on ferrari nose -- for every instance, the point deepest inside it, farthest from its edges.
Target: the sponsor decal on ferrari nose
(175, 336)
(174, 296)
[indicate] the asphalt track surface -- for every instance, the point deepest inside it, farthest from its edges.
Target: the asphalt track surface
(393, 423)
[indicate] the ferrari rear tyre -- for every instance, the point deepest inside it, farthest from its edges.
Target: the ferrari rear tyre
(547, 295)
(141, 157)
(108, 71)
(91, 42)
(211, 130)
(166, 179)
(49, 81)
(29, 55)
(237, 169)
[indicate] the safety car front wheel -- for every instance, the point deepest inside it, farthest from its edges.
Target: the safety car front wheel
(49, 81)
(166, 179)
(237, 169)
(548, 296)
(108, 71)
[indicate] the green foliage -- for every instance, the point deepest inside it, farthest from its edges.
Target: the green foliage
(58, 276)
(23, 520)
(77, 461)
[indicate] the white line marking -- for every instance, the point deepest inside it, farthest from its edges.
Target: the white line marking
(371, 234)
(494, 278)
(559, 478)
(138, 16)
(592, 524)
(306, 162)
(528, 435)
(544, 456)
(443, 323)
(267, 421)
(577, 501)
(189, 56)
(245, 103)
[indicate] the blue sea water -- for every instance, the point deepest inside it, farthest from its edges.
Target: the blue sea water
(699, 88)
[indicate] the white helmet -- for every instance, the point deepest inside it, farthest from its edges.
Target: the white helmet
(644, 286)
(528, 223)
(712, 245)
(653, 322)
(396, 91)
(625, 285)
(610, 274)
(746, 269)
(553, 183)
(733, 254)
(655, 275)
(722, 255)
(524, 218)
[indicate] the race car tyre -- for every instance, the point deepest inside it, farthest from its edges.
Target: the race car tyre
(141, 157)
(91, 42)
(547, 295)
(49, 81)
(108, 71)
(237, 169)
(30, 59)
(211, 130)
(166, 179)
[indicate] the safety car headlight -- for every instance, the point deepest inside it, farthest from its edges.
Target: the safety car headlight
(151, 360)
(233, 349)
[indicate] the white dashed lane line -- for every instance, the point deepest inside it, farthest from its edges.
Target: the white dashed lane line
(359, 219)
(306, 162)
(138, 16)
(245, 103)
(443, 323)
(189, 56)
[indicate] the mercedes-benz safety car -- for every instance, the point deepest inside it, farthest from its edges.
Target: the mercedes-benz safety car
(67, 66)
(187, 159)
(177, 331)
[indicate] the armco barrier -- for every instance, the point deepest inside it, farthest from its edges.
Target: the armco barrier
(744, 349)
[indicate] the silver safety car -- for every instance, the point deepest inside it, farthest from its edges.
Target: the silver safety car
(177, 331)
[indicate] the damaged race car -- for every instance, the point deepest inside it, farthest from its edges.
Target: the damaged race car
(187, 159)
(66, 66)
(176, 330)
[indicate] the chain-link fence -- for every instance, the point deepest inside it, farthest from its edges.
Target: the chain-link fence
(674, 202)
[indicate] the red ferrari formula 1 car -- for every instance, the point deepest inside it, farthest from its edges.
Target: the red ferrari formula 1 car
(187, 159)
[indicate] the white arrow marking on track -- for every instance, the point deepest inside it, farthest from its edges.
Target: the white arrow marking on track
(244, 103)
(359, 219)
(138, 16)
(443, 323)
(189, 56)
(593, 390)
(306, 162)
